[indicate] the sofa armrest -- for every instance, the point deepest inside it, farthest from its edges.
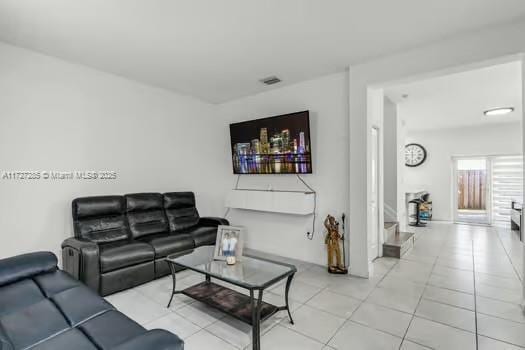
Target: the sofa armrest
(155, 339)
(26, 265)
(212, 221)
(81, 259)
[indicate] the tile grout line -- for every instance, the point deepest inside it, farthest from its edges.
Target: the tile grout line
(280, 323)
(466, 309)
(305, 304)
(426, 285)
(418, 303)
(358, 306)
(482, 296)
(301, 334)
(475, 295)
(224, 340)
(444, 324)
(507, 254)
(432, 320)
(503, 341)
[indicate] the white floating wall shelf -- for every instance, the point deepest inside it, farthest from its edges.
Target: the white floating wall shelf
(276, 201)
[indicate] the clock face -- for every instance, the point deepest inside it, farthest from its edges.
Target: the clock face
(415, 154)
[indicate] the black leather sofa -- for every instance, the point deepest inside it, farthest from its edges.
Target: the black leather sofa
(44, 308)
(122, 241)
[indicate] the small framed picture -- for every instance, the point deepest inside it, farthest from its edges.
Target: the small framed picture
(230, 241)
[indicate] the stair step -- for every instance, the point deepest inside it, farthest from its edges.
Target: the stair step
(389, 224)
(391, 229)
(397, 245)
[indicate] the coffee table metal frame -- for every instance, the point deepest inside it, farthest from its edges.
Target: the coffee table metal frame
(256, 302)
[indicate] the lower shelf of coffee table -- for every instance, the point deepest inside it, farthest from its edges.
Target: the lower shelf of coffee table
(228, 301)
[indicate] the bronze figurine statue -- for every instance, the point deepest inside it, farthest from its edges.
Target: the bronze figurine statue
(333, 237)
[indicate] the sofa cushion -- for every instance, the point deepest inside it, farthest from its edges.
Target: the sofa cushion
(127, 277)
(180, 210)
(202, 235)
(19, 295)
(122, 254)
(71, 339)
(33, 324)
(100, 219)
(55, 282)
(166, 244)
(79, 304)
(111, 329)
(145, 214)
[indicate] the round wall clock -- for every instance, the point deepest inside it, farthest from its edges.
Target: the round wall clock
(415, 154)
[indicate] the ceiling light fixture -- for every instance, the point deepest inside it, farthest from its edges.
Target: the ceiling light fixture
(498, 111)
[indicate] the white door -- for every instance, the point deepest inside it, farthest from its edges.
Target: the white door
(373, 238)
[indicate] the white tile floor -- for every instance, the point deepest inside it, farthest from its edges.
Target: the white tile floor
(458, 288)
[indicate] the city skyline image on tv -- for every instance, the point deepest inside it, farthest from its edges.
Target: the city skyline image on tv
(274, 145)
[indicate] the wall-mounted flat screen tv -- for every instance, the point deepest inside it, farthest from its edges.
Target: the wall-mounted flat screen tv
(274, 145)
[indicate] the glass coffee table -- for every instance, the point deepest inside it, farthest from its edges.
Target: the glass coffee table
(253, 274)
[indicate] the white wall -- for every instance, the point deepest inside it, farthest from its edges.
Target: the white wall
(402, 217)
(472, 50)
(435, 174)
(65, 117)
(58, 116)
(282, 234)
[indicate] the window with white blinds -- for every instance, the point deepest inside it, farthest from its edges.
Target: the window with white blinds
(507, 185)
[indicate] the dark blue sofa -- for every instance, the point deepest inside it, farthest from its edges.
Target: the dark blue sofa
(42, 307)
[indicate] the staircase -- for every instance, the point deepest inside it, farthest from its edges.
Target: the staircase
(396, 243)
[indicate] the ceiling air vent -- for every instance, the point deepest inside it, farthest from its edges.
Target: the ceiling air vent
(270, 80)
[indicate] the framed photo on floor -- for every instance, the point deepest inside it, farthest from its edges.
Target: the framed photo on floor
(230, 242)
